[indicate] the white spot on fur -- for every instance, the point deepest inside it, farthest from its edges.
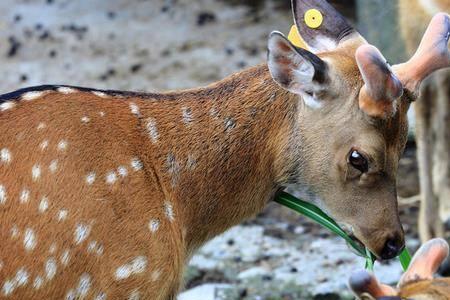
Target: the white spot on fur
(62, 215)
(311, 101)
(84, 285)
(43, 205)
(134, 295)
(32, 95)
(22, 277)
(53, 166)
(100, 296)
(90, 178)
(191, 162)
(41, 126)
(136, 164)
(7, 105)
(187, 115)
(5, 156)
(52, 248)
(38, 282)
(152, 130)
(123, 172)
(62, 145)
(135, 109)
(2, 194)
(214, 113)
(136, 266)
(71, 295)
(65, 258)
(36, 172)
(24, 196)
(43, 145)
(29, 240)
(102, 114)
(66, 90)
(153, 225)
(50, 268)
(168, 210)
(8, 287)
(82, 231)
(111, 177)
(100, 94)
(15, 232)
(85, 119)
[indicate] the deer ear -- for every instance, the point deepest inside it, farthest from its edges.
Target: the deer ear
(426, 261)
(321, 26)
(296, 70)
(365, 286)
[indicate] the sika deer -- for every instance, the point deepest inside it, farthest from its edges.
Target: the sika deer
(416, 284)
(107, 194)
(433, 120)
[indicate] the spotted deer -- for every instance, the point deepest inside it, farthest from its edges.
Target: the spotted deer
(417, 283)
(107, 194)
(433, 120)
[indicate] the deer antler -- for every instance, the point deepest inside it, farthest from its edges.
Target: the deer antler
(433, 54)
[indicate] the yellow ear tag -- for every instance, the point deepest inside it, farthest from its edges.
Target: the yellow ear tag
(313, 18)
(295, 38)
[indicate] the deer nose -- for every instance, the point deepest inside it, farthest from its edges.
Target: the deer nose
(392, 248)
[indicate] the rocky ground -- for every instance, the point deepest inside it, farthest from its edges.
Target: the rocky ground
(160, 45)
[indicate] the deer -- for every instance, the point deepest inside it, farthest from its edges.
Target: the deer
(432, 121)
(417, 283)
(107, 194)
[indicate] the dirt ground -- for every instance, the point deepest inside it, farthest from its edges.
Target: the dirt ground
(167, 44)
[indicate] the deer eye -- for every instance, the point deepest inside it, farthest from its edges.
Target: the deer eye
(358, 161)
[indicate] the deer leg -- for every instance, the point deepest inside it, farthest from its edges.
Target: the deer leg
(429, 226)
(441, 163)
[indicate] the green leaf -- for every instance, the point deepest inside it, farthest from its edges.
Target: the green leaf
(405, 259)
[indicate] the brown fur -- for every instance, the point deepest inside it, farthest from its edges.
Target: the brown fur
(433, 121)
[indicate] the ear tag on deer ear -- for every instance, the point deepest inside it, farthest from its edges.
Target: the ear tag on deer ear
(295, 38)
(313, 18)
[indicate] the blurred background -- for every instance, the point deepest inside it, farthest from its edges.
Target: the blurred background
(155, 45)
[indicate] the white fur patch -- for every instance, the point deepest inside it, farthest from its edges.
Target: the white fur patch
(5, 156)
(8, 287)
(311, 101)
(152, 130)
(24, 196)
(62, 215)
(136, 266)
(123, 172)
(111, 177)
(85, 119)
(15, 232)
(84, 285)
(65, 258)
(102, 114)
(100, 94)
(66, 90)
(2, 194)
(29, 240)
(187, 115)
(90, 178)
(43, 145)
(53, 166)
(62, 145)
(21, 277)
(50, 268)
(43, 205)
(36, 172)
(29, 96)
(82, 231)
(100, 296)
(135, 109)
(136, 164)
(7, 105)
(38, 282)
(168, 210)
(153, 225)
(41, 126)
(134, 295)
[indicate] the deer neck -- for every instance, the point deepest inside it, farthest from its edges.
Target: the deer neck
(220, 153)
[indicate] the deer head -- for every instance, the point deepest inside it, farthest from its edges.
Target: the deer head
(417, 283)
(352, 127)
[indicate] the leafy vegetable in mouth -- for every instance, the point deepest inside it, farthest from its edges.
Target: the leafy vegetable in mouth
(316, 214)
